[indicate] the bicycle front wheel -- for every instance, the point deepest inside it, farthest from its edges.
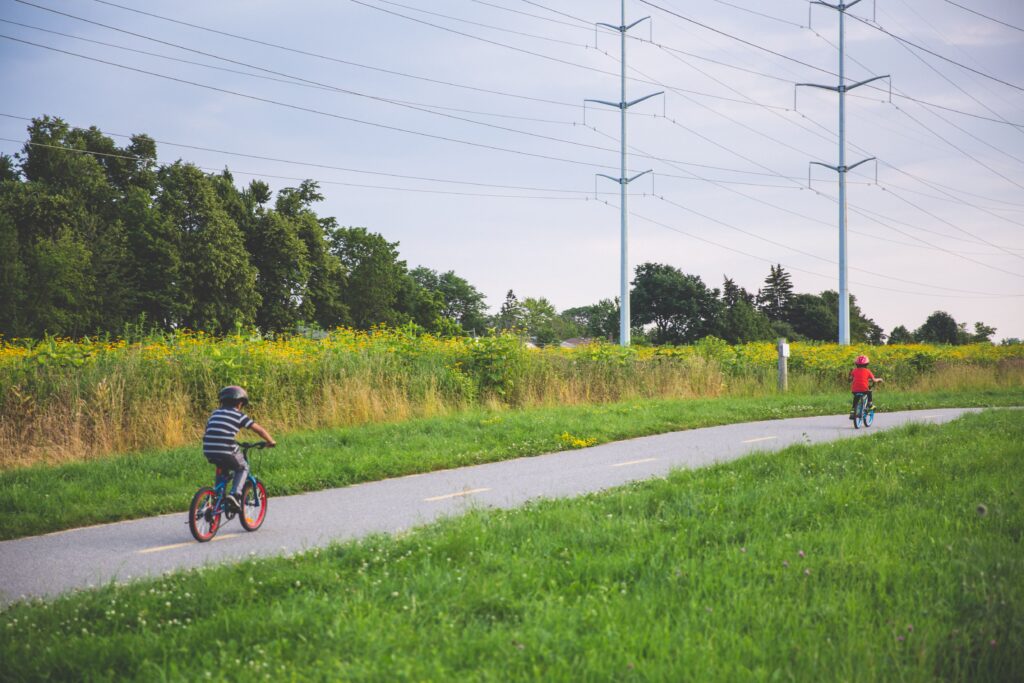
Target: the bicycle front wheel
(254, 505)
(203, 515)
(869, 417)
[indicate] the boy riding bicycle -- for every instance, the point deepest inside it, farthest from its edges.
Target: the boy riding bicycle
(861, 380)
(219, 445)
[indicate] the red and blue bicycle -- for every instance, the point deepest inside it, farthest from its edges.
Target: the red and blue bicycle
(209, 509)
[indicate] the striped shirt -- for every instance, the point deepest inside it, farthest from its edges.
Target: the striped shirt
(221, 429)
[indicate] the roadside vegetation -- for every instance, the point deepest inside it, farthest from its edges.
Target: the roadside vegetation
(894, 557)
(63, 401)
(43, 498)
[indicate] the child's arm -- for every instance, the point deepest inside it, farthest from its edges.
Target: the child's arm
(263, 433)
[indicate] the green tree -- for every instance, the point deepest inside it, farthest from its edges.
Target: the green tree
(901, 335)
(680, 306)
(741, 323)
(862, 328)
(375, 276)
(775, 297)
(511, 315)
(813, 317)
(596, 321)
(323, 301)
(542, 321)
(155, 268)
(218, 281)
(982, 333)
(939, 328)
(733, 293)
(461, 301)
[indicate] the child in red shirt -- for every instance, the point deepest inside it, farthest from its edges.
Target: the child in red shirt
(861, 380)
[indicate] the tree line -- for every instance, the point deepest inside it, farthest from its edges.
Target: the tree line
(96, 237)
(99, 239)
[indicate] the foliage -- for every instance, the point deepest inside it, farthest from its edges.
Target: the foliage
(597, 321)
(680, 306)
(901, 335)
(62, 399)
(95, 236)
(511, 315)
(941, 328)
(775, 297)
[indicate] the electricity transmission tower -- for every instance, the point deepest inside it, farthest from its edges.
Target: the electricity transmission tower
(842, 168)
(622, 180)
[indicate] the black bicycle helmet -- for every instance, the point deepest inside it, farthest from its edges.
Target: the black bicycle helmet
(233, 394)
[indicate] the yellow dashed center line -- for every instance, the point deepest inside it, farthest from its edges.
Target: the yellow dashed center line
(760, 438)
(457, 494)
(182, 545)
(633, 462)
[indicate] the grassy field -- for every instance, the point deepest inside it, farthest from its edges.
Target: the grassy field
(47, 498)
(894, 557)
(63, 400)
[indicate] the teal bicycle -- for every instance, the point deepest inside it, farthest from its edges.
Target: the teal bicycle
(209, 509)
(863, 412)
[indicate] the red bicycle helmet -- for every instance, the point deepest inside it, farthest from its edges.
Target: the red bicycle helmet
(861, 360)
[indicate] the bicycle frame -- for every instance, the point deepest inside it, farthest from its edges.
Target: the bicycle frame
(223, 476)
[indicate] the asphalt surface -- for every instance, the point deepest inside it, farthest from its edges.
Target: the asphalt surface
(43, 566)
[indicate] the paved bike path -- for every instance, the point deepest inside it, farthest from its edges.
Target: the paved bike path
(51, 564)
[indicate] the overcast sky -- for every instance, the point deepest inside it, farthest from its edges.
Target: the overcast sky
(392, 98)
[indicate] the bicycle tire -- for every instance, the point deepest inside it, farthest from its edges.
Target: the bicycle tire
(254, 505)
(203, 515)
(858, 412)
(869, 417)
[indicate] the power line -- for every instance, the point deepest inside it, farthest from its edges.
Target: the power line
(289, 81)
(733, 37)
(585, 193)
(490, 26)
(309, 109)
(790, 267)
(372, 97)
(822, 258)
(985, 16)
(589, 26)
(879, 27)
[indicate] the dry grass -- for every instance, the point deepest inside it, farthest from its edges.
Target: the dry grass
(125, 400)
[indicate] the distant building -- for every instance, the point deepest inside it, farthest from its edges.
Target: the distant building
(575, 342)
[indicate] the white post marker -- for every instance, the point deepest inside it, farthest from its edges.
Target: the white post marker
(783, 364)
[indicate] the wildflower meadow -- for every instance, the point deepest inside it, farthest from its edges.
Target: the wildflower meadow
(66, 400)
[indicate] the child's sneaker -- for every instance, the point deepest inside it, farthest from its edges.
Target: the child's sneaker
(851, 414)
(231, 500)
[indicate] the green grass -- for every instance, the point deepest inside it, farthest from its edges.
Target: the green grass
(895, 557)
(42, 498)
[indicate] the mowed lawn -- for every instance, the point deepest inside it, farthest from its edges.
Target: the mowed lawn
(44, 498)
(895, 557)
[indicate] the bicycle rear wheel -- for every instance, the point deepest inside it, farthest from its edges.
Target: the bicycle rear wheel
(858, 413)
(203, 515)
(254, 505)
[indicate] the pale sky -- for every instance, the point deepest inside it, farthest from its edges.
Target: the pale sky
(940, 229)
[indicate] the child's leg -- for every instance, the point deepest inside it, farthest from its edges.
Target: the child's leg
(870, 401)
(853, 408)
(241, 468)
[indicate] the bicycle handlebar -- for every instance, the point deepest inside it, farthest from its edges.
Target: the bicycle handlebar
(247, 445)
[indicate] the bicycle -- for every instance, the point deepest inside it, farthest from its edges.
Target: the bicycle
(208, 505)
(863, 413)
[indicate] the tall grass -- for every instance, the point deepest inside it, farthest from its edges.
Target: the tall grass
(896, 557)
(62, 401)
